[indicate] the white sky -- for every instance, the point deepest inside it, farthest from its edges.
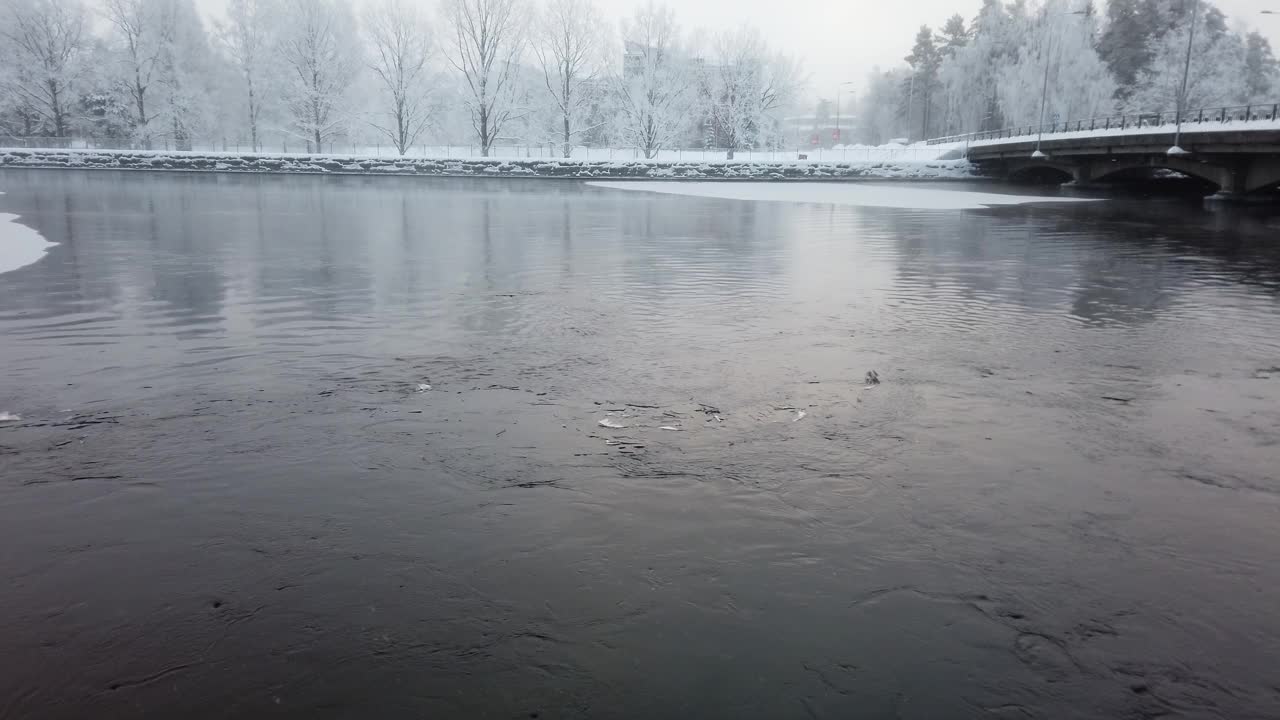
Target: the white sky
(842, 40)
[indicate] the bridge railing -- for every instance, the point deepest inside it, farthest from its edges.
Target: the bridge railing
(1128, 121)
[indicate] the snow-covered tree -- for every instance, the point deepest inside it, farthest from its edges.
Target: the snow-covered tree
(926, 62)
(164, 67)
(970, 77)
(655, 88)
(1218, 74)
(487, 37)
(1262, 71)
(880, 118)
(44, 41)
(318, 47)
(745, 82)
(1079, 84)
(569, 45)
(186, 72)
(401, 44)
(246, 40)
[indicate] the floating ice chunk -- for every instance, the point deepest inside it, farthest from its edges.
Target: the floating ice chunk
(19, 244)
(672, 428)
(423, 387)
(611, 423)
(9, 417)
(800, 415)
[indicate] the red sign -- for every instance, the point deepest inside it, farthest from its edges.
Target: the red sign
(814, 140)
(835, 135)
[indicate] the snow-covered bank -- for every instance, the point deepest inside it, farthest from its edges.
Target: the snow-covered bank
(19, 244)
(362, 165)
(860, 194)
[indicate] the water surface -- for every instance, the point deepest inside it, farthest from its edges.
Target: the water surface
(229, 495)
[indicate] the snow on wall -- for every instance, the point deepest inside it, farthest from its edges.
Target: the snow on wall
(365, 165)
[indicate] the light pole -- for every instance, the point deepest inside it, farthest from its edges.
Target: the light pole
(1044, 90)
(1186, 73)
(839, 88)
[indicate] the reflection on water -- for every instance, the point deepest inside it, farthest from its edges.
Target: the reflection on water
(225, 494)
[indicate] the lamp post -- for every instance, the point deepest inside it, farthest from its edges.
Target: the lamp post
(1044, 90)
(1186, 74)
(839, 89)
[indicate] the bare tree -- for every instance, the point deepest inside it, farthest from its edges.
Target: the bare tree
(487, 43)
(568, 46)
(318, 48)
(46, 39)
(654, 90)
(402, 50)
(245, 39)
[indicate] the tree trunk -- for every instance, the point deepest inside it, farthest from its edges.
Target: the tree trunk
(253, 117)
(568, 147)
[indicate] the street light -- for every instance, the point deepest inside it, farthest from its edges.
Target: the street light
(1044, 91)
(1186, 73)
(839, 88)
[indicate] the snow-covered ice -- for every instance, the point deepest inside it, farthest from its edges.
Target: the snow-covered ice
(903, 196)
(19, 244)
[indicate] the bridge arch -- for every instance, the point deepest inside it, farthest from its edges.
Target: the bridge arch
(1033, 170)
(1216, 176)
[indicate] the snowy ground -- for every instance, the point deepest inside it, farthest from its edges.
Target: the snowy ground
(917, 153)
(860, 194)
(19, 244)
(490, 167)
(1188, 128)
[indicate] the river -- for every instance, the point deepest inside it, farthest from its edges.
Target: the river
(322, 447)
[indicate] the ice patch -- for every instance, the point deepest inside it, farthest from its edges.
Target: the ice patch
(19, 244)
(903, 196)
(9, 417)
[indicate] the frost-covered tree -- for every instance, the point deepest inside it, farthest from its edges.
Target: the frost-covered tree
(880, 118)
(1218, 74)
(745, 82)
(401, 44)
(1079, 84)
(655, 88)
(185, 72)
(318, 48)
(1262, 71)
(970, 78)
(487, 37)
(44, 41)
(569, 44)
(246, 40)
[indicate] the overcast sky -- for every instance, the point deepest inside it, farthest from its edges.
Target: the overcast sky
(842, 40)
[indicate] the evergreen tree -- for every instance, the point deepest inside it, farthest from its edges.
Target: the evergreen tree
(925, 61)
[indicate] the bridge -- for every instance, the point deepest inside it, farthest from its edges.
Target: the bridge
(1237, 149)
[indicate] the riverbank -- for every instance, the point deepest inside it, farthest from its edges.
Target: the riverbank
(539, 168)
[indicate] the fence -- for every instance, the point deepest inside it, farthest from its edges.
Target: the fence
(1218, 116)
(523, 152)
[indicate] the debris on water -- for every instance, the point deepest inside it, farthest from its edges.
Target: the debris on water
(709, 409)
(670, 427)
(611, 423)
(873, 378)
(9, 417)
(800, 415)
(1122, 400)
(986, 371)
(1266, 373)
(423, 387)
